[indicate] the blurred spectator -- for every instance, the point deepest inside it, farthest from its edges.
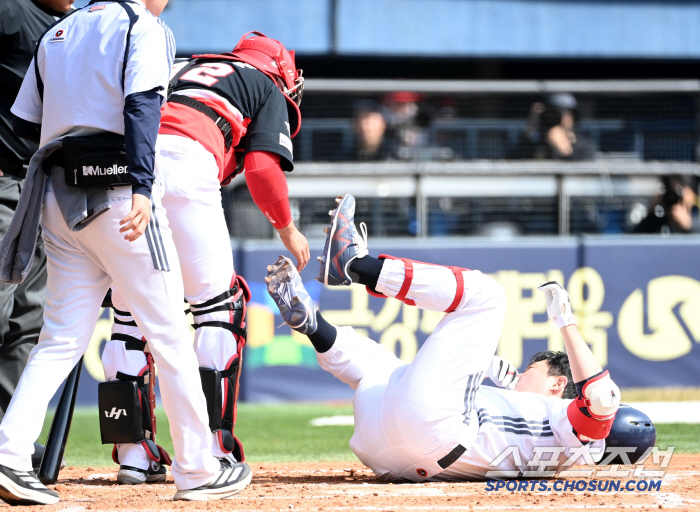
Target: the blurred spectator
(551, 132)
(369, 129)
(673, 210)
(401, 114)
(407, 127)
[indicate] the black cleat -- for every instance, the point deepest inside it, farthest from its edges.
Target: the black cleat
(24, 488)
(344, 243)
(129, 475)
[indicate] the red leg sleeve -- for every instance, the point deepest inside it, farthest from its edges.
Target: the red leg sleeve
(268, 186)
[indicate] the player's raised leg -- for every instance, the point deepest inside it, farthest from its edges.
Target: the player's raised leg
(340, 350)
(437, 389)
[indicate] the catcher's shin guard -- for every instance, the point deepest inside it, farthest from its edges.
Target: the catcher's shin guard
(221, 386)
(408, 279)
(127, 407)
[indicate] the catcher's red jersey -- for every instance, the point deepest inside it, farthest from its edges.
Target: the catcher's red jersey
(247, 98)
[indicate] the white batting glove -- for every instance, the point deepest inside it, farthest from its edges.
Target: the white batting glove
(503, 373)
(558, 304)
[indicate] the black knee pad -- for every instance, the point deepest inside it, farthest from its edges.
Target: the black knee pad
(121, 416)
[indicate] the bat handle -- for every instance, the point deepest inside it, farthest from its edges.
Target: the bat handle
(60, 427)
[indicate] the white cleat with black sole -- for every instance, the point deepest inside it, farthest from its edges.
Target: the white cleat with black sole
(233, 478)
(24, 488)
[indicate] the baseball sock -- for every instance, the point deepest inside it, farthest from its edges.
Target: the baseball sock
(367, 270)
(324, 336)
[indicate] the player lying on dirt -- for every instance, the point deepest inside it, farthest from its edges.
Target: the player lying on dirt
(432, 419)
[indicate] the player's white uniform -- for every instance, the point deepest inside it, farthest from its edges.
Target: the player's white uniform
(192, 201)
(86, 82)
(431, 420)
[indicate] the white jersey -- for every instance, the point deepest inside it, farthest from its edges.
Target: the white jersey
(512, 426)
(87, 94)
(501, 421)
(432, 419)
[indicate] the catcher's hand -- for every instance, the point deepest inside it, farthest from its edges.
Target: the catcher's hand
(558, 304)
(503, 373)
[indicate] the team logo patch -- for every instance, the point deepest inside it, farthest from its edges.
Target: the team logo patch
(422, 472)
(286, 142)
(58, 37)
(97, 8)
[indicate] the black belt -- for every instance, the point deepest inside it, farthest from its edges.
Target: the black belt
(221, 122)
(452, 457)
(14, 168)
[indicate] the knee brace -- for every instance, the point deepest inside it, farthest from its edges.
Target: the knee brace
(408, 279)
(127, 407)
(222, 400)
(232, 300)
(592, 413)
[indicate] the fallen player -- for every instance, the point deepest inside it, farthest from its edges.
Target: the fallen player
(431, 419)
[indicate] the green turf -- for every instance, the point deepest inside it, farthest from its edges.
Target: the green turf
(282, 433)
(684, 436)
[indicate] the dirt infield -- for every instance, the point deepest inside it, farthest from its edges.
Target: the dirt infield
(351, 486)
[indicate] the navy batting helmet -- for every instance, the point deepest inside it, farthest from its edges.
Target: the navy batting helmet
(631, 428)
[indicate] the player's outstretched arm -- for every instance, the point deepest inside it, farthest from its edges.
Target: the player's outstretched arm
(592, 413)
(268, 187)
(583, 363)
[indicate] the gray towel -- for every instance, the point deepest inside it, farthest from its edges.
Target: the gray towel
(78, 206)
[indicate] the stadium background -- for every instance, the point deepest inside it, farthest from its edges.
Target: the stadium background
(472, 70)
(470, 78)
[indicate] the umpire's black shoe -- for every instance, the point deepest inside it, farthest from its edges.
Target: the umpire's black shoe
(24, 488)
(233, 478)
(38, 454)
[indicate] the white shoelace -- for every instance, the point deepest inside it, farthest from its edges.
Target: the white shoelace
(359, 238)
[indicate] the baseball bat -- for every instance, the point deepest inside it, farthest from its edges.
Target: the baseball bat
(60, 427)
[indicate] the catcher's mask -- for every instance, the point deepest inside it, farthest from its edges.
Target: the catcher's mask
(272, 58)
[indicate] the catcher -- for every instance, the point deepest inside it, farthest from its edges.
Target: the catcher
(224, 113)
(432, 419)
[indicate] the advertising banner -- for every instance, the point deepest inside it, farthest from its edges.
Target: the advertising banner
(636, 301)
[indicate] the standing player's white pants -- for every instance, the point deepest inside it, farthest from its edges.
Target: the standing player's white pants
(81, 267)
(192, 201)
(409, 417)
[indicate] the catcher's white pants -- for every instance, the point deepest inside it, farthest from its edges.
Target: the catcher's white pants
(192, 201)
(407, 417)
(81, 267)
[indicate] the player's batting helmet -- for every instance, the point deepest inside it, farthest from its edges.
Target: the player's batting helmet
(631, 428)
(273, 59)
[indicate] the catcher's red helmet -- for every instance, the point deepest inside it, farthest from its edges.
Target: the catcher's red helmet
(272, 58)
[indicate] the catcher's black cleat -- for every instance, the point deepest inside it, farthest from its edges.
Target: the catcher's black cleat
(38, 454)
(129, 475)
(24, 488)
(344, 243)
